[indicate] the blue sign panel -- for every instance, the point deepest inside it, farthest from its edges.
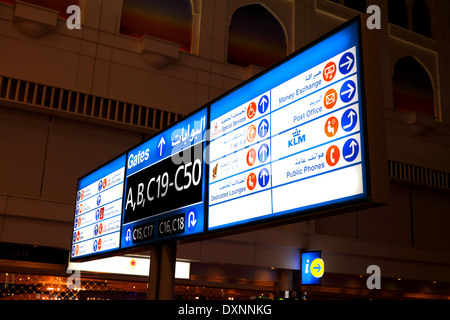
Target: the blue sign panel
(164, 189)
(290, 140)
(152, 193)
(98, 210)
(313, 268)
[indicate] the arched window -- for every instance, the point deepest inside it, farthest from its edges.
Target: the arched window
(413, 90)
(415, 18)
(255, 37)
(398, 13)
(421, 18)
(168, 20)
(359, 5)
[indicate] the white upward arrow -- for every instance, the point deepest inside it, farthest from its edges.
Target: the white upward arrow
(350, 115)
(348, 63)
(263, 127)
(263, 101)
(264, 175)
(263, 151)
(161, 143)
(353, 144)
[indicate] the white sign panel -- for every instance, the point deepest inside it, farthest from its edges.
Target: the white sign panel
(98, 210)
(291, 140)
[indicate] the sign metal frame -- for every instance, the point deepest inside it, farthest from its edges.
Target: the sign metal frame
(375, 174)
(320, 210)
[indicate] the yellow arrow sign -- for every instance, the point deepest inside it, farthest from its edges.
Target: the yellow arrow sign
(317, 268)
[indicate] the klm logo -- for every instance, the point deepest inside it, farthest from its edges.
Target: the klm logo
(298, 138)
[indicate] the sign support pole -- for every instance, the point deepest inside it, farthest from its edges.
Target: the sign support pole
(153, 283)
(162, 271)
(167, 271)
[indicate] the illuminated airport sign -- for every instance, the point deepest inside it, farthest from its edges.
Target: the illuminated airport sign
(98, 210)
(285, 144)
(154, 192)
(291, 140)
(164, 190)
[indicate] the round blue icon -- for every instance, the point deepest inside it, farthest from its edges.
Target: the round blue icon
(73, 251)
(76, 223)
(192, 221)
(263, 177)
(100, 185)
(346, 63)
(97, 215)
(99, 200)
(263, 104)
(74, 237)
(128, 236)
(96, 230)
(95, 246)
(78, 196)
(349, 120)
(263, 128)
(348, 91)
(77, 208)
(350, 150)
(263, 152)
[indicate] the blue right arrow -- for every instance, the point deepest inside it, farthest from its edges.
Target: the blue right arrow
(317, 268)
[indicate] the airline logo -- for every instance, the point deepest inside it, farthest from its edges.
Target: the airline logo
(216, 130)
(214, 170)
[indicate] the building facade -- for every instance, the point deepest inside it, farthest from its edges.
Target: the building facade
(71, 99)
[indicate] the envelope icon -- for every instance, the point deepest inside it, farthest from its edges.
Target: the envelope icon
(330, 98)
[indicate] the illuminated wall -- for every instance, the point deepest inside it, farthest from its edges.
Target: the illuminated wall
(168, 20)
(255, 37)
